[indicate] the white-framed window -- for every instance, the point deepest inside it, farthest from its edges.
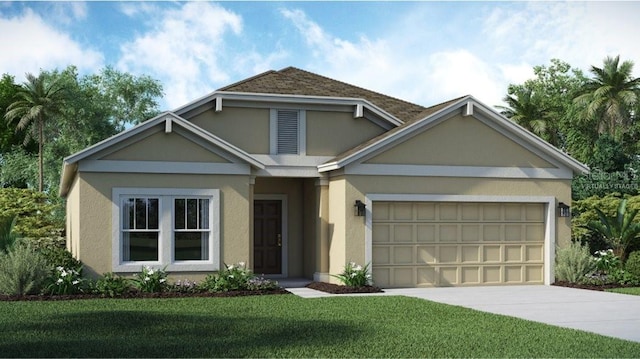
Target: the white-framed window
(176, 228)
(288, 132)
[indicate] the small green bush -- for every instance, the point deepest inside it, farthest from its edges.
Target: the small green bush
(355, 275)
(151, 280)
(22, 270)
(59, 256)
(7, 234)
(574, 263)
(232, 277)
(111, 285)
(633, 264)
(64, 281)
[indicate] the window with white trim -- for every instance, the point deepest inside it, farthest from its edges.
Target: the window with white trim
(288, 132)
(176, 228)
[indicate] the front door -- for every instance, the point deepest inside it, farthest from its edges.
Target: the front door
(267, 237)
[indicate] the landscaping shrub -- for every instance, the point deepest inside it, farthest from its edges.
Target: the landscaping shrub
(232, 277)
(111, 285)
(58, 256)
(633, 264)
(151, 280)
(236, 277)
(184, 286)
(355, 275)
(607, 261)
(7, 234)
(37, 215)
(574, 263)
(64, 281)
(22, 270)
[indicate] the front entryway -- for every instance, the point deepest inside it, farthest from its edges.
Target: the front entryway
(267, 237)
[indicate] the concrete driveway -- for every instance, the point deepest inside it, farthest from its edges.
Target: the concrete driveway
(610, 314)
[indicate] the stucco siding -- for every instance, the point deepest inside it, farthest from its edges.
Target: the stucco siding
(331, 133)
(461, 141)
(163, 146)
(245, 128)
(339, 216)
(96, 212)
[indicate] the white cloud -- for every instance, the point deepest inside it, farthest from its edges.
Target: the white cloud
(34, 45)
(422, 77)
(189, 50)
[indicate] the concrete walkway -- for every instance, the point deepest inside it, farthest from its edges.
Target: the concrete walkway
(610, 314)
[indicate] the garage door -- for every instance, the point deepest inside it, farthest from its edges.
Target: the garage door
(422, 244)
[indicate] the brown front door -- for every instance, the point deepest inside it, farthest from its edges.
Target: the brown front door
(267, 237)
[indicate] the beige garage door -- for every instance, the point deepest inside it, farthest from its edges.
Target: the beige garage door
(422, 244)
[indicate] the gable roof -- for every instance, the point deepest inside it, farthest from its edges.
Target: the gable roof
(169, 119)
(431, 115)
(293, 81)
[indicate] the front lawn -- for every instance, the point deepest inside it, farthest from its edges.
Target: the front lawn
(629, 290)
(283, 326)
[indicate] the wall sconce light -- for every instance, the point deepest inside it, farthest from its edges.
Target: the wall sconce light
(563, 210)
(359, 208)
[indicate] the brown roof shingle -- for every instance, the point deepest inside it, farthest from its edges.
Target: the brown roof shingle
(293, 81)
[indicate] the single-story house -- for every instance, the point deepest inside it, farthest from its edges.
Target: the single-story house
(297, 174)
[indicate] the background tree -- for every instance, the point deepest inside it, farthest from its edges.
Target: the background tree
(542, 104)
(610, 97)
(38, 100)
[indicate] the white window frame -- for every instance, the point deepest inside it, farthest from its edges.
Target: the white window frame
(166, 216)
(273, 131)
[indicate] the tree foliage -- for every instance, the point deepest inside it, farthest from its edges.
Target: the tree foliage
(96, 107)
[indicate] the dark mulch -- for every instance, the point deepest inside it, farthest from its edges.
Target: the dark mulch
(139, 295)
(592, 286)
(342, 289)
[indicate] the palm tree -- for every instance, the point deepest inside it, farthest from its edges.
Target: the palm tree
(619, 230)
(611, 96)
(524, 110)
(38, 100)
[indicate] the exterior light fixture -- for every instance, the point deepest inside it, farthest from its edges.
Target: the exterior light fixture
(359, 208)
(563, 210)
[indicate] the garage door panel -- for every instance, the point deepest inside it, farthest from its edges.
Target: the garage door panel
(513, 253)
(426, 255)
(447, 233)
(492, 253)
(381, 233)
(403, 233)
(425, 211)
(403, 255)
(426, 232)
(381, 255)
(470, 254)
(445, 244)
(534, 253)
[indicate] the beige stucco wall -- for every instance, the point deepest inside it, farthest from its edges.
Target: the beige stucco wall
(460, 141)
(246, 128)
(95, 213)
(331, 133)
(163, 146)
(349, 231)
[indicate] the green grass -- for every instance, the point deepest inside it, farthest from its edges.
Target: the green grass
(631, 290)
(284, 326)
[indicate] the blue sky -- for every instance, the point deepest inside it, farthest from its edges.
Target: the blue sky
(424, 52)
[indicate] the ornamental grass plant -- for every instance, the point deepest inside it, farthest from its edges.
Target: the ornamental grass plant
(22, 270)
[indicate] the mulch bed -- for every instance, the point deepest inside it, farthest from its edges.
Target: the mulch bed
(592, 286)
(139, 295)
(342, 289)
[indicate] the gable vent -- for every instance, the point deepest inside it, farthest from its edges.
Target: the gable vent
(288, 130)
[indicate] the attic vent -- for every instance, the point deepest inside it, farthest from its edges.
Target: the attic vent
(288, 131)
